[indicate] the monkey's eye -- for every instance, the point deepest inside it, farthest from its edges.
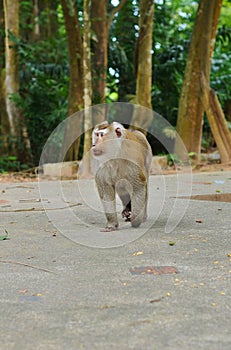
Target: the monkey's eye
(99, 134)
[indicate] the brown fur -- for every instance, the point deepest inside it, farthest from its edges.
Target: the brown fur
(125, 158)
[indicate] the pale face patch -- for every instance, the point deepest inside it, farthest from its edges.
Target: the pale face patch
(98, 134)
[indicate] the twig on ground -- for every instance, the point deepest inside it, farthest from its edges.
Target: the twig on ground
(24, 264)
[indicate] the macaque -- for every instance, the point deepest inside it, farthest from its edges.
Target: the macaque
(124, 159)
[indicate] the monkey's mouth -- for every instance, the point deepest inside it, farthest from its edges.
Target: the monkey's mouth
(96, 152)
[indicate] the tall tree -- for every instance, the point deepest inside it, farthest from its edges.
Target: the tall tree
(20, 144)
(87, 74)
(102, 17)
(144, 54)
(11, 12)
(144, 64)
(75, 53)
(100, 46)
(87, 97)
(217, 121)
(191, 109)
(5, 126)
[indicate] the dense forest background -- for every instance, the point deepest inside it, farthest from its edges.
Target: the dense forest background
(44, 65)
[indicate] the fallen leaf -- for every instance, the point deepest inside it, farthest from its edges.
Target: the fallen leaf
(153, 270)
(105, 307)
(3, 237)
(23, 291)
(137, 253)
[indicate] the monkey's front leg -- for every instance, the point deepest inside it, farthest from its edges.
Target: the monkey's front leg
(107, 195)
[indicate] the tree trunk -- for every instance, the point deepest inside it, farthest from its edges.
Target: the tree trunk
(19, 141)
(11, 10)
(87, 75)
(216, 120)
(75, 97)
(144, 65)
(86, 171)
(100, 47)
(36, 31)
(101, 22)
(5, 127)
(191, 109)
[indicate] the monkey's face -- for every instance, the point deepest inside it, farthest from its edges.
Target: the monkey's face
(99, 142)
(106, 141)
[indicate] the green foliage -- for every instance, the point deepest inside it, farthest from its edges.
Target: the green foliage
(44, 73)
(173, 25)
(9, 163)
(172, 29)
(122, 42)
(172, 159)
(221, 64)
(44, 88)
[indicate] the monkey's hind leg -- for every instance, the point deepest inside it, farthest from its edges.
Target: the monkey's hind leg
(139, 207)
(145, 209)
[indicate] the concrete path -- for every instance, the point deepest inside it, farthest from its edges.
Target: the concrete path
(82, 289)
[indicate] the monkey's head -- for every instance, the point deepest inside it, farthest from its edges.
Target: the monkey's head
(107, 139)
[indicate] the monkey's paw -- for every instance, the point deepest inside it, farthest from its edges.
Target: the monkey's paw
(126, 214)
(109, 228)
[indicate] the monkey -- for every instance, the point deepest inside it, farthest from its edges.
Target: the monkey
(124, 159)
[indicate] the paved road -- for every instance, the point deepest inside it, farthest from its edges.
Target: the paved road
(80, 289)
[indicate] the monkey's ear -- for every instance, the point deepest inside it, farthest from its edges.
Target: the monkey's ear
(118, 132)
